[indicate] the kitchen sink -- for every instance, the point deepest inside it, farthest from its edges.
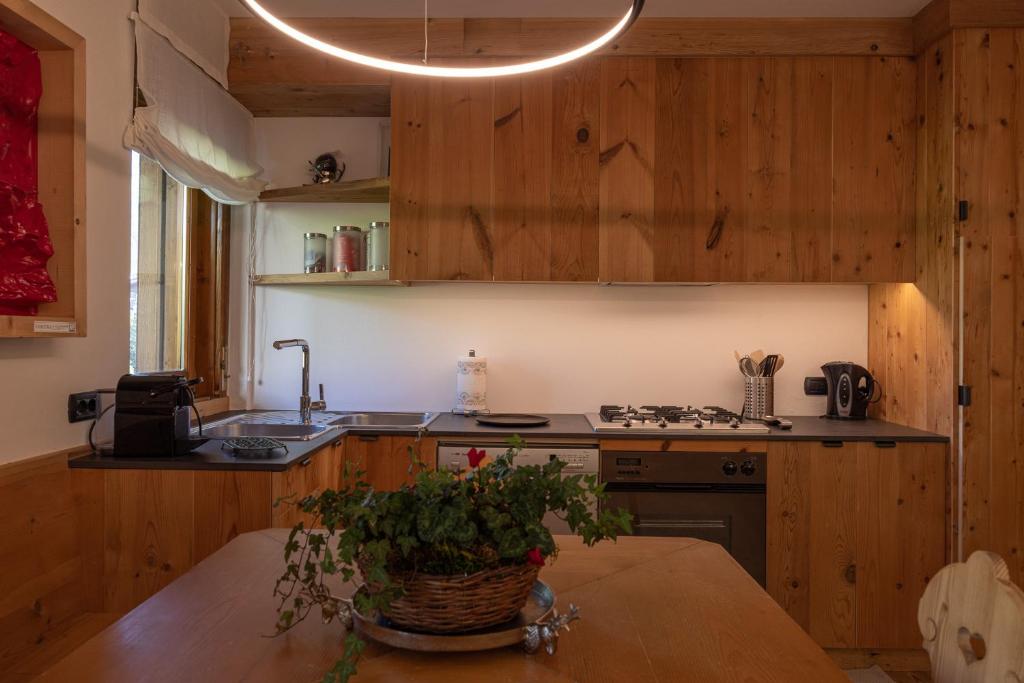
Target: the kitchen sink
(287, 425)
(284, 432)
(385, 420)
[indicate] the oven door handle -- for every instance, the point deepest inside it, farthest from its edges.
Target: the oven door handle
(684, 524)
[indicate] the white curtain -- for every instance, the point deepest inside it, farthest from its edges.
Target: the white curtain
(198, 29)
(190, 125)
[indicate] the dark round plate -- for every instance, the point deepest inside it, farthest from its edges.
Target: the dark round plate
(513, 420)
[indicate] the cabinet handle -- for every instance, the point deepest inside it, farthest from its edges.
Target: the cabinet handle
(306, 462)
(832, 444)
(885, 444)
(368, 437)
(338, 443)
(851, 573)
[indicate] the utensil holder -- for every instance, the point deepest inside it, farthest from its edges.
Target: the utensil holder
(758, 397)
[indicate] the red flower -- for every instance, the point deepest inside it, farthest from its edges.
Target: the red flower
(475, 457)
(535, 557)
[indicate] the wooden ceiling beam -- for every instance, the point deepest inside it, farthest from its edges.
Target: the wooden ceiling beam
(939, 17)
(273, 75)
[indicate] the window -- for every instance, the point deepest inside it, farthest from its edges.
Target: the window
(179, 267)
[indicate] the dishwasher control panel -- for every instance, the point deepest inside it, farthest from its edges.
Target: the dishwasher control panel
(578, 459)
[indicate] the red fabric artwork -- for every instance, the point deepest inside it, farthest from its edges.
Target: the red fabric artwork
(25, 245)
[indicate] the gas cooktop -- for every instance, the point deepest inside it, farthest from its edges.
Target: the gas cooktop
(654, 419)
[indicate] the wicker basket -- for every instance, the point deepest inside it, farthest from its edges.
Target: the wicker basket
(455, 604)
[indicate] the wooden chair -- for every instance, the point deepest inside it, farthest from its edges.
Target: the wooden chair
(972, 620)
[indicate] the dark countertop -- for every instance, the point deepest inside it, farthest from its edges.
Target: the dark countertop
(804, 429)
(563, 426)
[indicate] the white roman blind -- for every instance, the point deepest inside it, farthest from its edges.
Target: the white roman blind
(198, 29)
(190, 125)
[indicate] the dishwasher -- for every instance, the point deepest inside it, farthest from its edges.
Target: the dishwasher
(714, 496)
(578, 459)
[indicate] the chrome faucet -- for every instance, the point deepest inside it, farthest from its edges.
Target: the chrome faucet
(306, 405)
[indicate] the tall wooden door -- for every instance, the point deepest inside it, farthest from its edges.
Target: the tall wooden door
(990, 177)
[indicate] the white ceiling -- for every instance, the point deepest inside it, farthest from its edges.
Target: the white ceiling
(578, 8)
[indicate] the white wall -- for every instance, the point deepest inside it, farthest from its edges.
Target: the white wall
(551, 348)
(36, 375)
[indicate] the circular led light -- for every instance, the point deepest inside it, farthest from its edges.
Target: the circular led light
(449, 71)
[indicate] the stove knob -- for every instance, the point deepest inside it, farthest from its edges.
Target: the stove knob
(729, 469)
(663, 423)
(747, 467)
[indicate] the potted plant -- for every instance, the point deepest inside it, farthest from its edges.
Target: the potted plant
(454, 552)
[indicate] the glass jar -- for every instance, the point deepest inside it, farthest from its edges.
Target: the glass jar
(378, 246)
(314, 253)
(348, 249)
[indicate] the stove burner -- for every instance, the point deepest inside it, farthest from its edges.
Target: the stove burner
(663, 415)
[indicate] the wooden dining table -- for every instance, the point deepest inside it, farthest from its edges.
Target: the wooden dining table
(653, 609)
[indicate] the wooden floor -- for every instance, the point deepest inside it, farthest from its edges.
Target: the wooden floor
(60, 643)
(65, 640)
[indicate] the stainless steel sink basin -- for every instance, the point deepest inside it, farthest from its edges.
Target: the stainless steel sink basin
(287, 424)
(285, 432)
(385, 420)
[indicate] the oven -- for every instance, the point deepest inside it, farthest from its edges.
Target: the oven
(714, 496)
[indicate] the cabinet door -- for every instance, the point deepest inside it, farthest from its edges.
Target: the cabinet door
(309, 477)
(545, 176)
(854, 534)
(441, 190)
(875, 133)
(812, 538)
(742, 188)
(716, 170)
(901, 538)
(390, 461)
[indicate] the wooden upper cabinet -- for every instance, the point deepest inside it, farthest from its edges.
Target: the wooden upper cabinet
(638, 169)
(716, 170)
(874, 170)
(627, 239)
(441, 193)
(496, 180)
(742, 189)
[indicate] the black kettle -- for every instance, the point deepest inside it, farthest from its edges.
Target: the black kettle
(851, 389)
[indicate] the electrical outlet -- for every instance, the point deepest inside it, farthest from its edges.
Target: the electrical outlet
(83, 406)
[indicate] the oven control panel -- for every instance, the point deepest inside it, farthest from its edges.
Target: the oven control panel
(695, 467)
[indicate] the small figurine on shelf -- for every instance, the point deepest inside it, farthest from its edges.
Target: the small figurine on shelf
(325, 168)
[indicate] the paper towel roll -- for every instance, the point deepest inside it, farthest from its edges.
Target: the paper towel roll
(471, 384)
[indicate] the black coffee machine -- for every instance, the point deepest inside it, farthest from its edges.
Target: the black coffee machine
(851, 389)
(152, 415)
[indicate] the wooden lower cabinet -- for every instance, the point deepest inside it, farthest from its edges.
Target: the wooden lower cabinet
(855, 532)
(310, 477)
(386, 461)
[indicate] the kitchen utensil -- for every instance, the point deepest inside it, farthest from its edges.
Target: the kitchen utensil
(516, 420)
(775, 421)
(757, 356)
(851, 389)
(738, 356)
(748, 367)
(763, 366)
(780, 360)
(758, 397)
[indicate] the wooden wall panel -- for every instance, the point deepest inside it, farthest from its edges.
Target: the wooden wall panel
(51, 550)
(990, 153)
(874, 153)
(742, 188)
(227, 504)
(449, 202)
(150, 516)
